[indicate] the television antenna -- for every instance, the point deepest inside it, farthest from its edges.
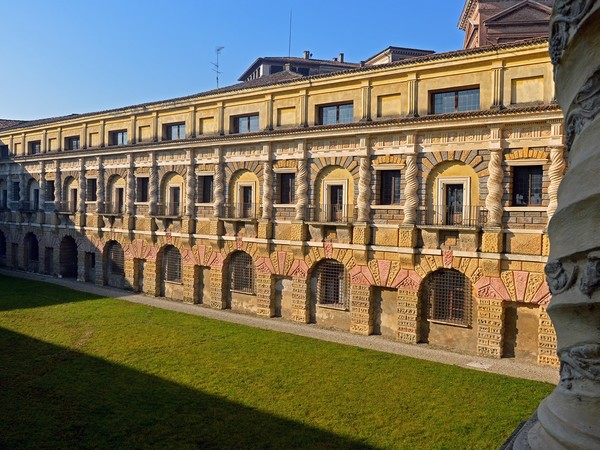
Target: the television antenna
(216, 65)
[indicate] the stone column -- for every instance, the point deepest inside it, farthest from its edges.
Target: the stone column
(57, 187)
(569, 417)
(361, 230)
(23, 189)
(190, 286)
(82, 188)
(129, 266)
(152, 184)
(130, 194)
(408, 232)
(42, 188)
(151, 279)
(265, 226)
(547, 340)
(492, 238)
(361, 309)
(555, 173)
(100, 188)
(302, 190)
(190, 187)
(219, 187)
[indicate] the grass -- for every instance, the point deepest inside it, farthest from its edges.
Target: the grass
(82, 371)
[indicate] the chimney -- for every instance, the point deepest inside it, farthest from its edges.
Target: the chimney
(341, 57)
(287, 67)
(306, 54)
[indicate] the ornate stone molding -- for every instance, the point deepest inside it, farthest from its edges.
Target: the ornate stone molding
(584, 109)
(566, 17)
(555, 173)
(219, 186)
(267, 198)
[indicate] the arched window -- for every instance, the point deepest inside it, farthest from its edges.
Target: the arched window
(332, 284)
(172, 264)
(448, 296)
(241, 271)
(116, 259)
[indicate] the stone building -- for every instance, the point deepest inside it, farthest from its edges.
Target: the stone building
(408, 199)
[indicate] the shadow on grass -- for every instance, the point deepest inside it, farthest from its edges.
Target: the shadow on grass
(16, 294)
(56, 397)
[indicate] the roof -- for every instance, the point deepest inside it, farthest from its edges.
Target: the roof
(287, 77)
(403, 50)
(466, 12)
(7, 123)
(297, 61)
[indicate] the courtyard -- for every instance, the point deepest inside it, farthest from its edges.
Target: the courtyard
(80, 370)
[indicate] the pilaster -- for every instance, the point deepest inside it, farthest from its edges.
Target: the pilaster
(265, 295)
(361, 309)
(300, 300)
(217, 289)
(408, 316)
(490, 327)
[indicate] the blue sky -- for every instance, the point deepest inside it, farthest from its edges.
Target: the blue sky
(62, 57)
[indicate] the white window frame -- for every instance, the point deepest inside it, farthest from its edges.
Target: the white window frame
(442, 182)
(240, 185)
(327, 184)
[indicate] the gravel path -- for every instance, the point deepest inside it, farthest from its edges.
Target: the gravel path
(506, 366)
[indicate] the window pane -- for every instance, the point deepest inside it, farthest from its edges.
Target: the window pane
(346, 113)
(253, 125)
(468, 100)
(329, 115)
(536, 186)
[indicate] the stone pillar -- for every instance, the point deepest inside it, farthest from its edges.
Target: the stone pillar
(361, 309)
(300, 300)
(408, 316)
(152, 184)
(265, 292)
(547, 340)
(130, 192)
(190, 186)
(267, 197)
(493, 201)
(498, 86)
(100, 268)
(129, 266)
(568, 418)
(411, 189)
(555, 173)
(219, 186)
(57, 187)
(413, 100)
(302, 190)
(42, 188)
(81, 266)
(190, 285)
(23, 189)
(218, 294)
(364, 190)
(366, 101)
(100, 188)
(490, 327)
(82, 187)
(151, 279)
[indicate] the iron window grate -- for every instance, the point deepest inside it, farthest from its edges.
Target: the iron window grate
(332, 284)
(242, 273)
(449, 297)
(116, 259)
(172, 265)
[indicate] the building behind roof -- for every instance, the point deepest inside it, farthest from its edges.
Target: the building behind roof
(407, 196)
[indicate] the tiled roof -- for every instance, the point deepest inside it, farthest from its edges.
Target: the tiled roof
(7, 123)
(286, 77)
(296, 61)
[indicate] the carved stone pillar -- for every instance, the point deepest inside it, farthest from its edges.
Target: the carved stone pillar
(300, 300)
(57, 187)
(23, 188)
(493, 201)
(267, 198)
(130, 203)
(361, 310)
(153, 184)
(100, 188)
(82, 188)
(219, 187)
(42, 187)
(408, 316)
(302, 190)
(411, 191)
(364, 190)
(190, 190)
(555, 173)
(569, 417)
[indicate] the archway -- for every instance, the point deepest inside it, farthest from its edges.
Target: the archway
(68, 258)
(171, 282)
(330, 294)
(241, 279)
(114, 265)
(31, 252)
(448, 311)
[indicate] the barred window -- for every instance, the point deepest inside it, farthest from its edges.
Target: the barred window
(241, 270)
(116, 259)
(90, 191)
(172, 264)
(332, 284)
(448, 296)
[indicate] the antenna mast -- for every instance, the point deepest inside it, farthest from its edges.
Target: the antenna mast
(216, 65)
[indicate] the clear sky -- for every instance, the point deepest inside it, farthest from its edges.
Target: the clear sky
(73, 56)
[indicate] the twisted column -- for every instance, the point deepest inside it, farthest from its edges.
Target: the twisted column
(190, 190)
(364, 190)
(267, 198)
(493, 201)
(130, 204)
(411, 191)
(153, 184)
(57, 187)
(42, 187)
(82, 187)
(555, 173)
(100, 188)
(302, 190)
(219, 187)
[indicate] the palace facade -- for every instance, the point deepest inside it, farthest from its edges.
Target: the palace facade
(407, 196)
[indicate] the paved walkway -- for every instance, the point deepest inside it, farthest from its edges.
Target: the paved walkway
(508, 367)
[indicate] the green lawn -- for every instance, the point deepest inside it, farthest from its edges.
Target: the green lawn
(82, 371)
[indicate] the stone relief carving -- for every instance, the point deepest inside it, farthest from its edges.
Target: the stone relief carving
(584, 109)
(590, 275)
(555, 173)
(566, 17)
(581, 362)
(558, 277)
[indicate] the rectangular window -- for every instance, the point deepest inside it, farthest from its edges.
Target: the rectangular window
(175, 131)
(455, 101)
(389, 187)
(527, 185)
(245, 124)
(16, 191)
(90, 191)
(205, 189)
(4, 153)
(332, 114)
(141, 189)
(50, 190)
(118, 137)
(34, 147)
(72, 143)
(287, 187)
